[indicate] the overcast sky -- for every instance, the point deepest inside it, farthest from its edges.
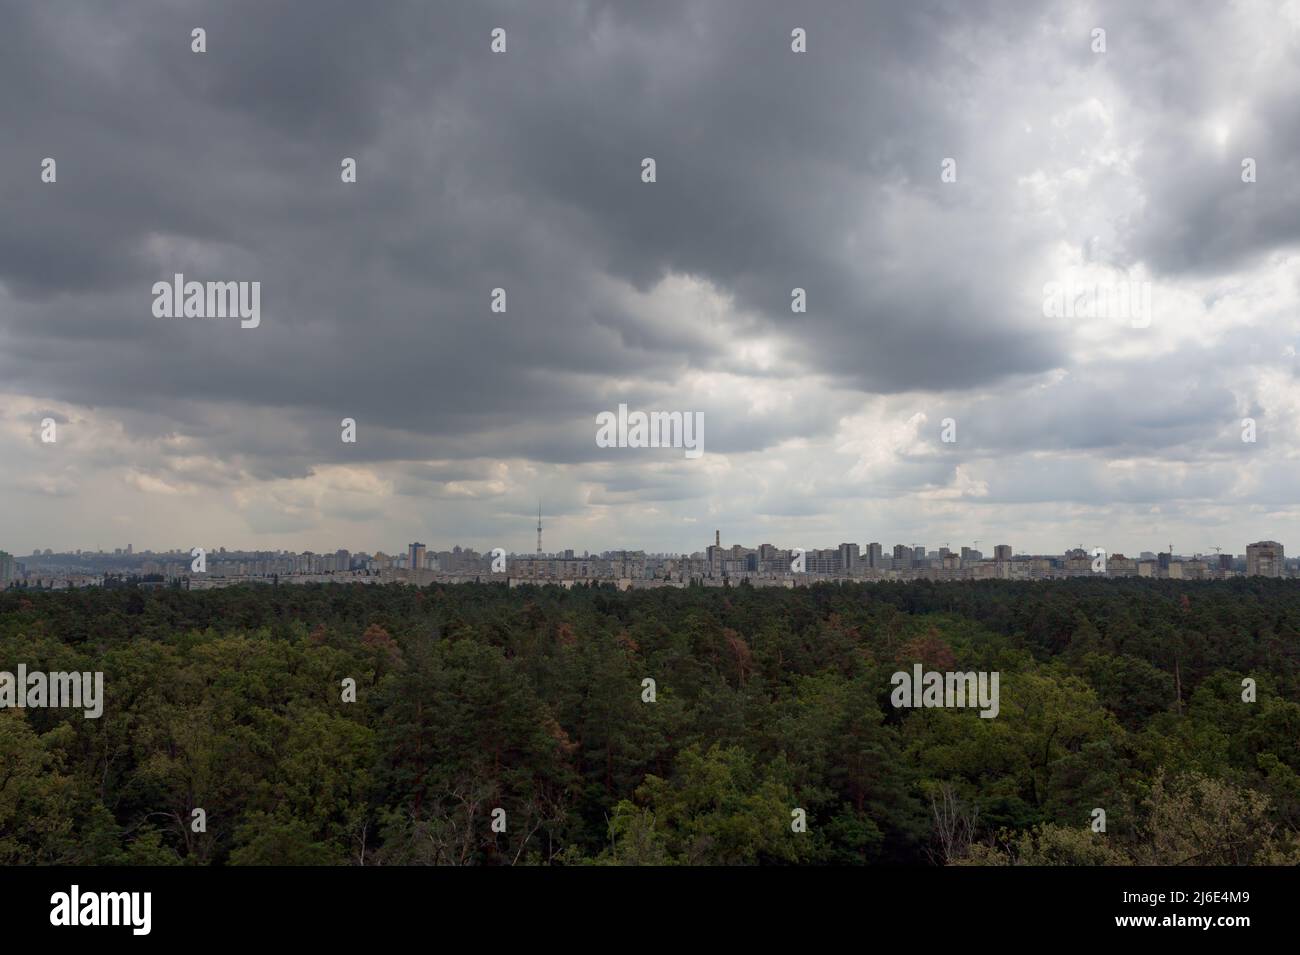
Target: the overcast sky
(775, 170)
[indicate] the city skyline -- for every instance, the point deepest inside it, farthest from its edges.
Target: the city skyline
(718, 565)
(418, 551)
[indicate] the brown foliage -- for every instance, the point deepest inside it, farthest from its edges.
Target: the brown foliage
(742, 654)
(931, 650)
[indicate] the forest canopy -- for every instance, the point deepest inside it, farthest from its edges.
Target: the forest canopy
(517, 726)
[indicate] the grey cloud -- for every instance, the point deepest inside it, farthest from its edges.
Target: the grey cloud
(522, 171)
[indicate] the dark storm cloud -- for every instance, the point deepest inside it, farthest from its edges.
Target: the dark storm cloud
(475, 171)
(1186, 70)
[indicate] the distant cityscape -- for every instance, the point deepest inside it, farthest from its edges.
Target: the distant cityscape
(715, 565)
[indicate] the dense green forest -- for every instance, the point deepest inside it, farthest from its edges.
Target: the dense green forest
(1121, 695)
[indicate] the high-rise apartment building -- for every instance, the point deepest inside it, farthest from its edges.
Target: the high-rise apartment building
(415, 557)
(849, 557)
(1264, 559)
(875, 555)
(713, 554)
(822, 561)
(1002, 552)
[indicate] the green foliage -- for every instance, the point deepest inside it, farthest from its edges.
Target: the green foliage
(475, 701)
(718, 808)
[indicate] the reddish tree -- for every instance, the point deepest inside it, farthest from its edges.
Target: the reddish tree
(931, 650)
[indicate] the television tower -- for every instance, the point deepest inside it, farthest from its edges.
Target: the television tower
(539, 528)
